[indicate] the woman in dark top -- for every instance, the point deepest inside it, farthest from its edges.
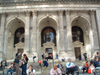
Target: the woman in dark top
(96, 62)
(80, 57)
(24, 64)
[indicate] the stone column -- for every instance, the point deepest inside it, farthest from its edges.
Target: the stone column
(69, 32)
(3, 22)
(98, 23)
(70, 51)
(61, 32)
(34, 35)
(5, 42)
(34, 32)
(94, 29)
(91, 37)
(27, 24)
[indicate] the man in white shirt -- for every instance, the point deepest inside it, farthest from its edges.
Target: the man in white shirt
(31, 71)
(55, 71)
(71, 67)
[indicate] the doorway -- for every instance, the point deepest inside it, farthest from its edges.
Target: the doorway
(50, 53)
(77, 51)
(20, 51)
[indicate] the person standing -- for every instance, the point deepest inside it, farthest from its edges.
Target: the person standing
(39, 63)
(85, 56)
(98, 55)
(24, 64)
(56, 56)
(17, 63)
(46, 56)
(80, 58)
(42, 55)
(45, 65)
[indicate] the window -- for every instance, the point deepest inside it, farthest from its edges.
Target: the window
(48, 35)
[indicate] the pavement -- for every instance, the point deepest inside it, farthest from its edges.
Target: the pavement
(51, 63)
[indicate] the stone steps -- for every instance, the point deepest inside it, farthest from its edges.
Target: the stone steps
(51, 62)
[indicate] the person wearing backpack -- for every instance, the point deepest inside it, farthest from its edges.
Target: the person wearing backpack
(17, 63)
(45, 65)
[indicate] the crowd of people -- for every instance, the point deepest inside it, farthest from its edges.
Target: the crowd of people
(93, 65)
(56, 70)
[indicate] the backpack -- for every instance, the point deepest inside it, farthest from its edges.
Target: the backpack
(16, 60)
(47, 64)
(34, 57)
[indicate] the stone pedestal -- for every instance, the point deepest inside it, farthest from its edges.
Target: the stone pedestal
(50, 45)
(80, 45)
(19, 45)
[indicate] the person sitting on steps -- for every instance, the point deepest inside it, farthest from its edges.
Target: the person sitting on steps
(70, 67)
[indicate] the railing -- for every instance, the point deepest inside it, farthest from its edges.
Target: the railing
(20, 2)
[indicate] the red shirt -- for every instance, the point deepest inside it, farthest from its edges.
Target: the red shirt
(40, 62)
(86, 65)
(51, 55)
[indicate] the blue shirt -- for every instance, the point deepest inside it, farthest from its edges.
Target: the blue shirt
(45, 63)
(96, 63)
(69, 64)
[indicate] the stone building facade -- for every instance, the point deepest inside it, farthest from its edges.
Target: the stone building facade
(39, 26)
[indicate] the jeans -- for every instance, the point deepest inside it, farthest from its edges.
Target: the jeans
(63, 60)
(24, 69)
(73, 68)
(10, 70)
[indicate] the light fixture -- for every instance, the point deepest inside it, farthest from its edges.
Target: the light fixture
(78, 34)
(48, 32)
(18, 34)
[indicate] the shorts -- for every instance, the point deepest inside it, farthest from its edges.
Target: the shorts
(39, 64)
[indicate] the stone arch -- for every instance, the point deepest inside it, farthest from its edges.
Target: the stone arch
(81, 22)
(84, 24)
(13, 18)
(12, 25)
(82, 16)
(42, 23)
(15, 23)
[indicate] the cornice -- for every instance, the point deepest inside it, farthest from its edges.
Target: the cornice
(49, 8)
(48, 2)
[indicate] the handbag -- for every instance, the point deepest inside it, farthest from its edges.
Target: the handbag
(89, 71)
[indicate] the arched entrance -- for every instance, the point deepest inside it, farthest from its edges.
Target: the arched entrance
(48, 36)
(13, 27)
(80, 36)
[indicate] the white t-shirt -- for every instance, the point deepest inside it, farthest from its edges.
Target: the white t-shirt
(69, 64)
(32, 72)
